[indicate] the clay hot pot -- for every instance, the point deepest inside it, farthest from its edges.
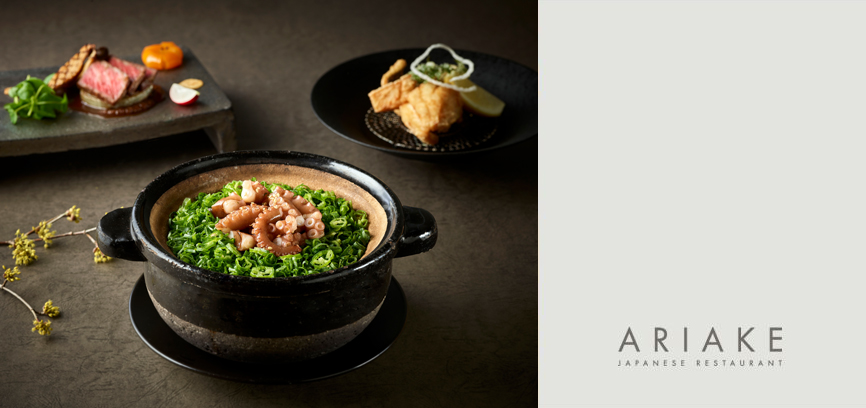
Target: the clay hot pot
(266, 319)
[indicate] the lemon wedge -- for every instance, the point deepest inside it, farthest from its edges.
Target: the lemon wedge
(479, 101)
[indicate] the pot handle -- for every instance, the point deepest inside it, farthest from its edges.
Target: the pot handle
(419, 233)
(115, 237)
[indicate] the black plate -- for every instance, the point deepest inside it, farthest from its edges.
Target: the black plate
(371, 343)
(340, 99)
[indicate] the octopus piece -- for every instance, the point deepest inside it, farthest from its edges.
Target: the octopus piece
(240, 219)
(315, 233)
(243, 241)
(312, 217)
(282, 198)
(281, 245)
(253, 192)
(290, 239)
(231, 206)
(285, 226)
(305, 207)
(227, 205)
(281, 226)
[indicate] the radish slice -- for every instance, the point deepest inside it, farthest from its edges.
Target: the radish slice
(182, 95)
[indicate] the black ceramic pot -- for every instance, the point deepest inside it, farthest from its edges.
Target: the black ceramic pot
(266, 319)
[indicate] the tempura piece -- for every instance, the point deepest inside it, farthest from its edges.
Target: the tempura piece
(392, 95)
(395, 69)
(430, 108)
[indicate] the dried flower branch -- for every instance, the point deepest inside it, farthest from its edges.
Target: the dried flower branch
(23, 253)
(43, 327)
(71, 234)
(98, 256)
(73, 214)
(48, 309)
(10, 275)
(45, 233)
(22, 249)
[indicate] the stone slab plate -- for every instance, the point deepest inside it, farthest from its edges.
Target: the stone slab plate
(76, 130)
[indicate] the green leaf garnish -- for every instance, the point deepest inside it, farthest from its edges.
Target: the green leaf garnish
(33, 98)
(439, 72)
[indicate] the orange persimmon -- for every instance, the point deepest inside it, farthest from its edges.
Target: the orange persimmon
(165, 55)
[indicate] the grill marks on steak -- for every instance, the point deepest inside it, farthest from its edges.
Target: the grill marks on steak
(104, 81)
(135, 72)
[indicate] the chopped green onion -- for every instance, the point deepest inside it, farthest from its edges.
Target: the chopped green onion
(194, 239)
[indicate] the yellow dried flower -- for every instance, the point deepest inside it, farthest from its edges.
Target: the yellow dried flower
(73, 214)
(99, 257)
(43, 327)
(50, 310)
(44, 232)
(11, 274)
(22, 249)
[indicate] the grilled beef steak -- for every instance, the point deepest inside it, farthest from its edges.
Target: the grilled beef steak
(149, 75)
(135, 72)
(104, 81)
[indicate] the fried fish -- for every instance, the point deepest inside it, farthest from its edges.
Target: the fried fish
(430, 108)
(390, 96)
(395, 69)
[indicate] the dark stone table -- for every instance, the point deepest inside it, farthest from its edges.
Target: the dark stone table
(470, 338)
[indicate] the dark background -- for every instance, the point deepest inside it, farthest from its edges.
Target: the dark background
(470, 337)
